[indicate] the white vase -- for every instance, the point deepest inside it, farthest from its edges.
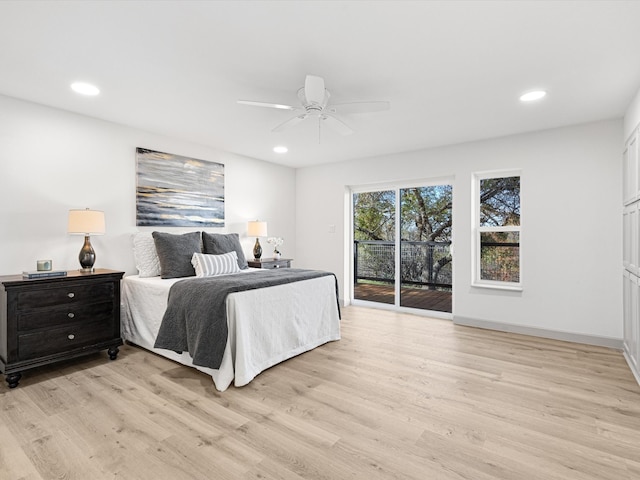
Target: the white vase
(276, 255)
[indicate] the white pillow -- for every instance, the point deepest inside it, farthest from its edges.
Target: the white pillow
(145, 255)
(211, 265)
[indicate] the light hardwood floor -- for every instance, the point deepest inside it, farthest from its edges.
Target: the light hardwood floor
(399, 397)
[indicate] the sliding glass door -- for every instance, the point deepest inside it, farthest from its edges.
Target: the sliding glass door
(374, 256)
(425, 247)
(402, 247)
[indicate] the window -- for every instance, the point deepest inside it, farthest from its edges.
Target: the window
(497, 230)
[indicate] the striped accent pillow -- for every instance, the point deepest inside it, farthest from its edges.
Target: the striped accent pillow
(211, 265)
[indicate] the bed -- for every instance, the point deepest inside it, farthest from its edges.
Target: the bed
(265, 326)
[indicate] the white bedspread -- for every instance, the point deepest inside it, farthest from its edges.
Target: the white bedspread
(266, 326)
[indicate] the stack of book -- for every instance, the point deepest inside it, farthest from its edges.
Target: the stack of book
(44, 274)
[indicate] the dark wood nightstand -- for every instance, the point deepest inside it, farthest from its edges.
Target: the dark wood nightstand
(270, 262)
(46, 320)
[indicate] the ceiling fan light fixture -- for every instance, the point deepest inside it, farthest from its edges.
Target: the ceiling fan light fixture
(532, 96)
(280, 149)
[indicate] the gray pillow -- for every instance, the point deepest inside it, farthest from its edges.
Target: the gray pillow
(220, 243)
(175, 252)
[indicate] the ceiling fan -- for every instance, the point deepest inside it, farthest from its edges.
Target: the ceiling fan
(314, 99)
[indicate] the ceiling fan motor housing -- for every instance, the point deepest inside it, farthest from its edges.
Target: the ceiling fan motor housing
(313, 107)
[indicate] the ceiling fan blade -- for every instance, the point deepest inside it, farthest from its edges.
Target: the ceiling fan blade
(290, 123)
(336, 125)
(268, 105)
(359, 107)
(314, 90)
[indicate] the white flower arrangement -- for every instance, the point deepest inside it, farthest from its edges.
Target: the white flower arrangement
(276, 242)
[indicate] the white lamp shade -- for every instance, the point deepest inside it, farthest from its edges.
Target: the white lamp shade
(257, 229)
(86, 222)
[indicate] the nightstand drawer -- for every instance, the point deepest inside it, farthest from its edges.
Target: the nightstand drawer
(276, 264)
(46, 297)
(270, 263)
(74, 313)
(62, 339)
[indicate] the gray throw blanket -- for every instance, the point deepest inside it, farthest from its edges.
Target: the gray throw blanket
(196, 317)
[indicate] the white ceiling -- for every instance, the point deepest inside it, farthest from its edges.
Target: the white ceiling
(452, 70)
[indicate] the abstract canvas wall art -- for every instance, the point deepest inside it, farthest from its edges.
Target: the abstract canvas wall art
(177, 191)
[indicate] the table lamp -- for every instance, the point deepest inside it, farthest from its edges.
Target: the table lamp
(257, 229)
(86, 222)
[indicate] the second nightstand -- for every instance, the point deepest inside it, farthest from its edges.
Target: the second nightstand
(270, 263)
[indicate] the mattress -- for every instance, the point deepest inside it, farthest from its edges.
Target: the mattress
(266, 326)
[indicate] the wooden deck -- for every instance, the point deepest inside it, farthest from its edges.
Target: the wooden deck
(409, 297)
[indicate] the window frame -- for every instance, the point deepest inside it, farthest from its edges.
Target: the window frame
(477, 230)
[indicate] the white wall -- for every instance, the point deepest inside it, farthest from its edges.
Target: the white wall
(571, 240)
(51, 161)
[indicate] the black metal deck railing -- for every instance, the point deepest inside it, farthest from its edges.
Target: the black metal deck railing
(422, 264)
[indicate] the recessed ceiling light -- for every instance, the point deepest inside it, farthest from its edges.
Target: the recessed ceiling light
(85, 88)
(280, 149)
(531, 96)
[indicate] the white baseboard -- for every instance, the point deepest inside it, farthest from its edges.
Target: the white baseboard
(540, 332)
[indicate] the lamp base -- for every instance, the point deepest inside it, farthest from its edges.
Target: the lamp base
(87, 256)
(257, 250)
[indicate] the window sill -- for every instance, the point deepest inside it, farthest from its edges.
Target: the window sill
(497, 286)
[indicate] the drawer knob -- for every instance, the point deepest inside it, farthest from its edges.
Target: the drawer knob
(71, 294)
(276, 266)
(71, 314)
(71, 336)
